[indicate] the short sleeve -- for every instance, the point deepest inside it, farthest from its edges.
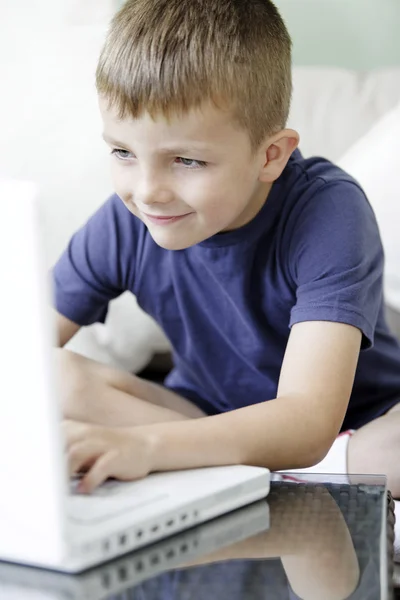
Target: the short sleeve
(336, 260)
(90, 273)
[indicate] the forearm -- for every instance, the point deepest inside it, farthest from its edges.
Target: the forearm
(276, 434)
(101, 395)
(115, 408)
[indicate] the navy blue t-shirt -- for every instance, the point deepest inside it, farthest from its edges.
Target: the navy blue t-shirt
(312, 253)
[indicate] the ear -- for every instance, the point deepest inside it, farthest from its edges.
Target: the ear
(276, 152)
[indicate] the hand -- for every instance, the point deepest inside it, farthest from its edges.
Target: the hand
(102, 452)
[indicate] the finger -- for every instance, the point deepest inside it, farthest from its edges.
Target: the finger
(83, 454)
(102, 468)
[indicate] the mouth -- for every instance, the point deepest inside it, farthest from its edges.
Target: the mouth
(159, 220)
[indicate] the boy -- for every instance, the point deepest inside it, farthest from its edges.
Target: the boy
(264, 269)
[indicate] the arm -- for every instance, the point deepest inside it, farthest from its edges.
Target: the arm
(295, 430)
(66, 329)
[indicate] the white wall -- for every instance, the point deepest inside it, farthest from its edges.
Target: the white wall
(50, 129)
(19, 13)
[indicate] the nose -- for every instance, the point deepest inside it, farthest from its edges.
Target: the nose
(151, 189)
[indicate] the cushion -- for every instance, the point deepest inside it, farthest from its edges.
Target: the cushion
(374, 162)
(332, 108)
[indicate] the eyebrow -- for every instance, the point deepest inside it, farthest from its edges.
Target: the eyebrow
(166, 151)
(110, 140)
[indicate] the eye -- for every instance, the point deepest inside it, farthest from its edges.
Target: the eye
(121, 154)
(191, 163)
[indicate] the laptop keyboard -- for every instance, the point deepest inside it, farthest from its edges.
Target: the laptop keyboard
(106, 489)
(111, 499)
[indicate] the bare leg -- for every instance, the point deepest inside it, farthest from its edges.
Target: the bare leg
(375, 449)
(96, 393)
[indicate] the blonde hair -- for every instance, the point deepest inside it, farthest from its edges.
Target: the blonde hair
(171, 56)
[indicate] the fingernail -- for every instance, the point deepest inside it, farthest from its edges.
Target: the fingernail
(80, 488)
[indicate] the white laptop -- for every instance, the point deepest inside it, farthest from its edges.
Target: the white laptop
(195, 546)
(42, 522)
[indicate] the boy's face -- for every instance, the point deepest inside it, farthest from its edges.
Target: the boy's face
(187, 178)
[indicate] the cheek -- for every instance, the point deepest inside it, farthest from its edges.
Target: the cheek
(227, 195)
(122, 182)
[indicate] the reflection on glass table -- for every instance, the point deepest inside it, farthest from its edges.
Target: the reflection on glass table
(322, 538)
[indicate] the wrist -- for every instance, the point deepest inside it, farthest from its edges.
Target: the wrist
(189, 444)
(150, 440)
(165, 446)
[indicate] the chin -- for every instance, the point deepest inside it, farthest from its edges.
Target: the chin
(174, 242)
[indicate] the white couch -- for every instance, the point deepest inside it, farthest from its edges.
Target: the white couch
(52, 135)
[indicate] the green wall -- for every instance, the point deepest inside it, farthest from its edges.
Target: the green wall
(361, 34)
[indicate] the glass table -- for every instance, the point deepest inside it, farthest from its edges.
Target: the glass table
(315, 537)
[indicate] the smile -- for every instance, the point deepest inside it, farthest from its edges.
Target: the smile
(165, 220)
